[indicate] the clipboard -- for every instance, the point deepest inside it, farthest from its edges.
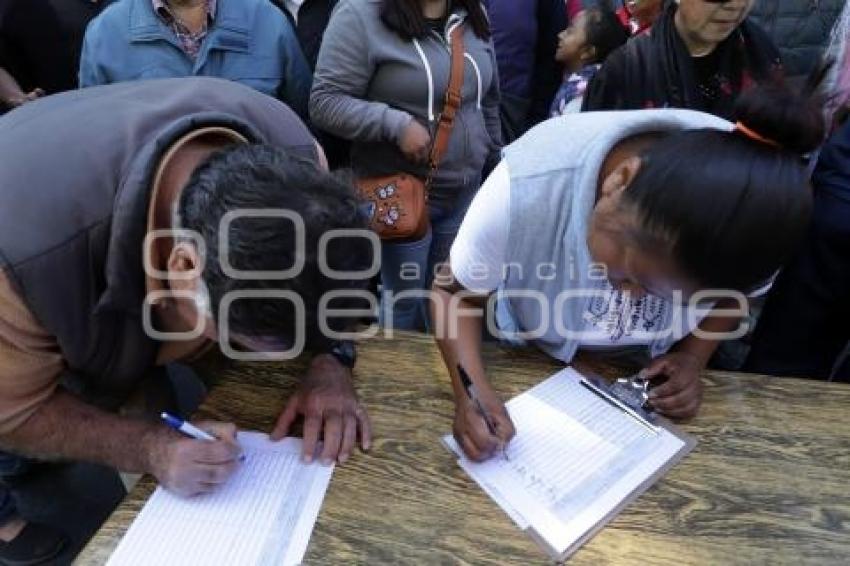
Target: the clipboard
(652, 418)
(638, 414)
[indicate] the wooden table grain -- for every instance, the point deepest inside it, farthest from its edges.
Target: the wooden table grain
(769, 482)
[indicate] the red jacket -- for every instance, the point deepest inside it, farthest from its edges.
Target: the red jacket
(632, 24)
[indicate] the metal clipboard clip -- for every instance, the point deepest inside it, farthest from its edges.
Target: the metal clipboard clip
(629, 394)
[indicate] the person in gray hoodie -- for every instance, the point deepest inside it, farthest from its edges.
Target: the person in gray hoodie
(380, 82)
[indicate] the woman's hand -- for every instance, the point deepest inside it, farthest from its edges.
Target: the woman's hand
(681, 394)
(415, 142)
(471, 431)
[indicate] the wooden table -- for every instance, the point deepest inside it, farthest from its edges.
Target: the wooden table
(769, 482)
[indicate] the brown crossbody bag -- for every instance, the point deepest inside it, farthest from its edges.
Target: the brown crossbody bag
(398, 204)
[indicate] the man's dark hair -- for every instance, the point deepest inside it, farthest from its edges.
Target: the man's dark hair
(604, 32)
(264, 177)
(406, 19)
(728, 207)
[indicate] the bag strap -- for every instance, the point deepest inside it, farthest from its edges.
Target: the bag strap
(451, 103)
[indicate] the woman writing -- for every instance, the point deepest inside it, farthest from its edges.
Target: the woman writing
(700, 54)
(380, 82)
(603, 231)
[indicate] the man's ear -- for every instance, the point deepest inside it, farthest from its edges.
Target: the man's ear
(184, 266)
(587, 54)
(621, 177)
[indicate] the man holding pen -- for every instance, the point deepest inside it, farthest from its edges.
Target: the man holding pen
(140, 223)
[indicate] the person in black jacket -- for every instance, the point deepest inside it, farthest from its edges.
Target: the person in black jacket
(30, 63)
(803, 329)
(525, 34)
(698, 55)
(74, 16)
(40, 43)
(799, 28)
(309, 18)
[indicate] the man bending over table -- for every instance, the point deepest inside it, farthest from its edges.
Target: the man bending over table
(130, 215)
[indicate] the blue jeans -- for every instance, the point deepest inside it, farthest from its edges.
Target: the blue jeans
(408, 267)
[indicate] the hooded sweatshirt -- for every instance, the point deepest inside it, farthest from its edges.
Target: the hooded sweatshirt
(370, 83)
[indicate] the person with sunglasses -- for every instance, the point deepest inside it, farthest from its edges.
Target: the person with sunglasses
(700, 55)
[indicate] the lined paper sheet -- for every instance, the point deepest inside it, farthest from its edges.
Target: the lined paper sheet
(574, 460)
(263, 515)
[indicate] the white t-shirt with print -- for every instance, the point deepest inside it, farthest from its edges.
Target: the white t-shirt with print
(613, 318)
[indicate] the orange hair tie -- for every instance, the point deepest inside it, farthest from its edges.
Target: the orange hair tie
(755, 136)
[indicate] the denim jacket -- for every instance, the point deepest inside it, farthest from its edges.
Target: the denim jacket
(249, 42)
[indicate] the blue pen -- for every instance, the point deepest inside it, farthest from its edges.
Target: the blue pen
(189, 429)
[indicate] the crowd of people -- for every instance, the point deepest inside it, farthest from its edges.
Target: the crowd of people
(604, 167)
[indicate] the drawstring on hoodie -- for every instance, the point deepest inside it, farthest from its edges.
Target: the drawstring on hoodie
(477, 75)
(430, 79)
(453, 22)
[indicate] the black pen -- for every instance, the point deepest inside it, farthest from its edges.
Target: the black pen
(472, 393)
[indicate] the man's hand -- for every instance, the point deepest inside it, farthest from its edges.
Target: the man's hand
(329, 404)
(16, 101)
(470, 428)
(415, 142)
(187, 466)
(681, 395)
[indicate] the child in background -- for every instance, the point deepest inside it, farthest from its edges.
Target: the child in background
(582, 48)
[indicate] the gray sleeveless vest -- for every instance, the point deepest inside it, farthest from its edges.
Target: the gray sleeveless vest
(554, 172)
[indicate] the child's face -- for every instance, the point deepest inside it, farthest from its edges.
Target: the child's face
(572, 43)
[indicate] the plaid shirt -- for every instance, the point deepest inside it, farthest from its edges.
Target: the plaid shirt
(190, 42)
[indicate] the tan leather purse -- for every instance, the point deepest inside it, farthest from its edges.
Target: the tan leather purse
(398, 204)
